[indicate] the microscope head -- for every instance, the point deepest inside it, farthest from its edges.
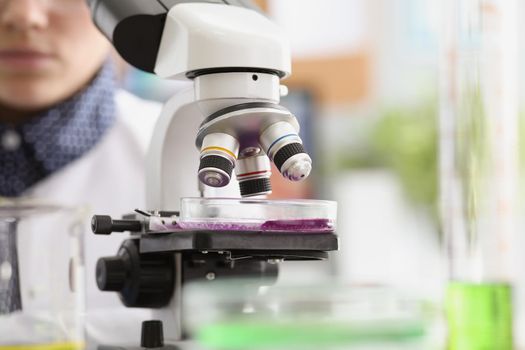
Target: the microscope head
(236, 58)
(204, 38)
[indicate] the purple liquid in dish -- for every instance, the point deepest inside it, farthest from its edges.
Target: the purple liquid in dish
(303, 226)
(219, 226)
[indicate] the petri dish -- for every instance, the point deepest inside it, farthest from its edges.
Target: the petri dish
(240, 315)
(228, 214)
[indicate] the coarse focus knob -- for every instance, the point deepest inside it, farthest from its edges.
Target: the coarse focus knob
(105, 225)
(152, 334)
(111, 273)
(142, 280)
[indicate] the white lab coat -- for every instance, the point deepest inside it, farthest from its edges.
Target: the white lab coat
(109, 179)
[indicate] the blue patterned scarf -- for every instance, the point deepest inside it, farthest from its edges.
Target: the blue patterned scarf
(31, 151)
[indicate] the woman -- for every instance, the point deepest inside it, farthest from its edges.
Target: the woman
(67, 134)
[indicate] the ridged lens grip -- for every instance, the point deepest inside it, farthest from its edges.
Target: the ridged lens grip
(215, 171)
(286, 153)
(255, 187)
(216, 162)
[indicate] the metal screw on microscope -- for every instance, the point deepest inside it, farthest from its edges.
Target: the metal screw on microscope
(275, 261)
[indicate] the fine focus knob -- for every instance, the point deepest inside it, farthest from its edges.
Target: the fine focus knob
(111, 274)
(152, 334)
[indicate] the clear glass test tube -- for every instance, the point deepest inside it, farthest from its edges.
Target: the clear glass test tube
(479, 169)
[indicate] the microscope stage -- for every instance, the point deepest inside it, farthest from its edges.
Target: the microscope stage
(239, 244)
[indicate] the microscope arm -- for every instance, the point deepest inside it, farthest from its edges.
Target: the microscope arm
(135, 27)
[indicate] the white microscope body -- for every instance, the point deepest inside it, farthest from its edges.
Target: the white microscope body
(217, 139)
(236, 58)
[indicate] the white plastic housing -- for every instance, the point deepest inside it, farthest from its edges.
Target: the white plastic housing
(202, 36)
(235, 85)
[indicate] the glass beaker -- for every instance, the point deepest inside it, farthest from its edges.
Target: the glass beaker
(41, 276)
(479, 169)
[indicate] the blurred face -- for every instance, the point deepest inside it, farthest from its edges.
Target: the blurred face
(49, 49)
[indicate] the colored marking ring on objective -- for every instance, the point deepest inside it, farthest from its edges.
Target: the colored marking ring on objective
(253, 173)
(279, 139)
(215, 148)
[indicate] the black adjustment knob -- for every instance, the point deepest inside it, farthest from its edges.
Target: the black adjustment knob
(111, 274)
(105, 225)
(142, 280)
(152, 334)
(101, 224)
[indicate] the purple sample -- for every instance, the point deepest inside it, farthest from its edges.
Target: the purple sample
(302, 226)
(220, 226)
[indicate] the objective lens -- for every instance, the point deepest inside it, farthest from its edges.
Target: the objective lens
(285, 148)
(253, 172)
(218, 154)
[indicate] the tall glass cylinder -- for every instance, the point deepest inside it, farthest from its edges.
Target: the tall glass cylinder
(479, 169)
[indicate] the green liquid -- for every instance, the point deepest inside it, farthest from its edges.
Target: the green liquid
(479, 316)
(243, 335)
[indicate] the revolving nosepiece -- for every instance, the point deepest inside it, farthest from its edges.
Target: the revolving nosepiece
(218, 154)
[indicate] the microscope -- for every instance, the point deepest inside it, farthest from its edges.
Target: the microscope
(205, 219)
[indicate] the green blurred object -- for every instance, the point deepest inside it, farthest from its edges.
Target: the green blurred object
(272, 334)
(479, 316)
(237, 316)
(404, 140)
